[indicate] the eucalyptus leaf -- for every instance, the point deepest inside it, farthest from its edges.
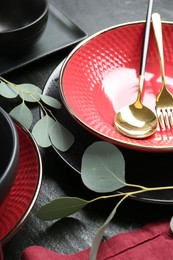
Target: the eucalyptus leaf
(61, 208)
(41, 130)
(29, 92)
(52, 102)
(7, 91)
(99, 236)
(22, 114)
(103, 167)
(60, 137)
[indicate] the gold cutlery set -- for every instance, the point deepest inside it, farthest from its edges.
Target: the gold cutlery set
(136, 120)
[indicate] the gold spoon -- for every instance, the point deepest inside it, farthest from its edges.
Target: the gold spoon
(136, 120)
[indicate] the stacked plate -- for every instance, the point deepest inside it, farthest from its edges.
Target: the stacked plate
(98, 78)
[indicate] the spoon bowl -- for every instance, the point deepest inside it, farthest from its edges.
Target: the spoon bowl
(136, 121)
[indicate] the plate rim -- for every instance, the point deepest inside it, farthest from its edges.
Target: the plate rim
(24, 216)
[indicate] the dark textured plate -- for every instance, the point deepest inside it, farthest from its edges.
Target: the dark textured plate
(60, 32)
(144, 168)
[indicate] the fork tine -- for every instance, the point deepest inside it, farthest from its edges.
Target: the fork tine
(166, 118)
(161, 119)
(170, 115)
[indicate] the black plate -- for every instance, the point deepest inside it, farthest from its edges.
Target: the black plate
(148, 169)
(60, 32)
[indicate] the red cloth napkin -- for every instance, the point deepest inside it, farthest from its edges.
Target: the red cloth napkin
(152, 242)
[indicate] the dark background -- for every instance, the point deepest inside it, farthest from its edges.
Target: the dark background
(76, 232)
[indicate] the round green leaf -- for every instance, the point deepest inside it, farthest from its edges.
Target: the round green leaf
(22, 114)
(29, 92)
(7, 91)
(41, 130)
(50, 101)
(60, 137)
(103, 167)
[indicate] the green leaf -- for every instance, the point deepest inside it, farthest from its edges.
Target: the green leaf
(7, 91)
(98, 237)
(61, 208)
(103, 167)
(22, 114)
(41, 130)
(50, 101)
(60, 137)
(29, 92)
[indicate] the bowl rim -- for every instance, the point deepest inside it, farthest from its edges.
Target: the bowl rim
(123, 143)
(14, 157)
(22, 216)
(89, 38)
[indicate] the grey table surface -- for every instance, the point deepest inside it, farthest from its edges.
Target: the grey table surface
(76, 232)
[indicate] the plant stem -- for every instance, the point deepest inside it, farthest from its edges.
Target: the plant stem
(131, 193)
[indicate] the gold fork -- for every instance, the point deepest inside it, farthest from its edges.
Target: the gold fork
(164, 99)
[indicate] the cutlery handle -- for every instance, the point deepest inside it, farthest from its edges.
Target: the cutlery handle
(146, 38)
(157, 26)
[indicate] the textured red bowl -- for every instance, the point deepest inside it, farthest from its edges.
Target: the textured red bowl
(101, 75)
(25, 189)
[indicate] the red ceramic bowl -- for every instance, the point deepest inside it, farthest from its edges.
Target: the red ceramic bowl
(100, 76)
(25, 189)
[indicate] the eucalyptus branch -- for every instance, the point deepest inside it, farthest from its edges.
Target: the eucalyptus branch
(26, 92)
(47, 128)
(49, 112)
(136, 186)
(108, 197)
(131, 193)
(8, 82)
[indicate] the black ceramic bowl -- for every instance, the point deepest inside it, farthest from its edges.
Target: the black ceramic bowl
(9, 154)
(22, 22)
